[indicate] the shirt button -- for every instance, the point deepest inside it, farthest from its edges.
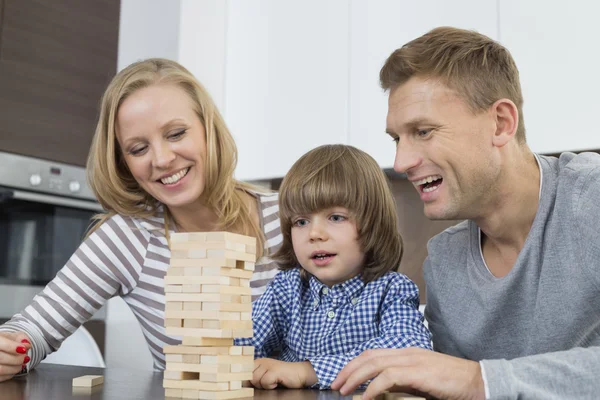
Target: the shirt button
(330, 314)
(316, 302)
(355, 300)
(325, 290)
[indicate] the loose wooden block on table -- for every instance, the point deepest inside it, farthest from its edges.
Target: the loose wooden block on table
(88, 380)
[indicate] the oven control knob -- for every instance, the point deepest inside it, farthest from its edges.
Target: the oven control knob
(74, 186)
(35, 180)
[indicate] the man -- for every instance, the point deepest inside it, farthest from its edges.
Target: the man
(513, 293)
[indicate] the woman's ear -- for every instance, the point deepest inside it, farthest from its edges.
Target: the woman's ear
(506, 116)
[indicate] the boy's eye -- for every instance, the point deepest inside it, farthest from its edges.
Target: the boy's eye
(338, 218)
(424, 132)
(301, 222)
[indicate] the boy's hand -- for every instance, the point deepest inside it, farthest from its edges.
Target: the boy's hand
(268, 373)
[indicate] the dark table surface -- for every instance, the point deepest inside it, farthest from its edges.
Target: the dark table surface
(51, 381)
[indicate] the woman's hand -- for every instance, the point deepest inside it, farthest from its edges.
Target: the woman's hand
(13, 353)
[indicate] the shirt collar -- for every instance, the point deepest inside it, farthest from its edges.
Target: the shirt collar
(350, 289)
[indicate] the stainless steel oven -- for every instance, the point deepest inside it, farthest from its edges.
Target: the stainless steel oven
(45, 211)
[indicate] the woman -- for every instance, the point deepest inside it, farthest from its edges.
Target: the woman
(162, 160)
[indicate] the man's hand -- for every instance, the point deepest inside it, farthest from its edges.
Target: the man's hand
(412, 370)
(268, 373)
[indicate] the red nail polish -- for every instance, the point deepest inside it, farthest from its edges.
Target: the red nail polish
(21, 350)
(25, 341)
(26, 360)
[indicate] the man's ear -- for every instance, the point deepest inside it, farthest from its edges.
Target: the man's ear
(506, 115)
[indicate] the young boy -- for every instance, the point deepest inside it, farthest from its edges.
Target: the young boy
(337, 294)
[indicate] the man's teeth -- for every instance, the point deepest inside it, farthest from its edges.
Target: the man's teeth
(430, 189)
(428, 179)
(169, 180)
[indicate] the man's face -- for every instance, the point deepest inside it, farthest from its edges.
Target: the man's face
(444, 148)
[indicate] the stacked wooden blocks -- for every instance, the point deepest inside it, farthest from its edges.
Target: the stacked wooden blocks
(208, 303)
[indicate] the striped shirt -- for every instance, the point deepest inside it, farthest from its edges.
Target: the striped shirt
(308, 321)
(126, 257)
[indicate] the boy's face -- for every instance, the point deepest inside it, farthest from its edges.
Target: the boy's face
(326, 245)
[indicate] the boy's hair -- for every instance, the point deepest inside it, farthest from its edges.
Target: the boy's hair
(480, 70)
(343, 176)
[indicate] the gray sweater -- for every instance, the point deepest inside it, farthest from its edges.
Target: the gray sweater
(537, 329)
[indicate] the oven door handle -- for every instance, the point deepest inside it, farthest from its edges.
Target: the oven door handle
(56, 200)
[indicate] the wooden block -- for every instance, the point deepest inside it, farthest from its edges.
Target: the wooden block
(191, 358)
(181, 375)
(203, 262)
(179, 237)
(223, 289)
(248, 266)
(191, 288)
(173, 288)
(196, 323)
(232, 307)
(241, 368)
(198, 385)
(205, 350)
(242, 325)
(189, 253)
(246, 316)
(173, 306)
(211, 324)
(250, 249)
(173, 323)
(206, 280)
(174, 271)
(230, 237)
(219, 245)
(235, 385)
(244, 393)
(246, 299)
(173, 393)
(225, 377)
(210, 369)
(89, 380)
(223, 271)
(229, 254)
(247, 350)
(207, 359)
(240, 333)
(205, 341)
(201, 332)
(192, 306)
(192, 271)
(204, 297)
(220, 315)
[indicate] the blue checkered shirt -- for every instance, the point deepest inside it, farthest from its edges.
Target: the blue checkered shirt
(308, 321)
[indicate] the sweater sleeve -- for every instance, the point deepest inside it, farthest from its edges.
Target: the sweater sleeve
(106, 264)
(570, 374)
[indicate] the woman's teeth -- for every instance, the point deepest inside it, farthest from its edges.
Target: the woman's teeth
(175, 177)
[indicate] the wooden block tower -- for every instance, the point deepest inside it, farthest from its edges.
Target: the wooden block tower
(208, 303)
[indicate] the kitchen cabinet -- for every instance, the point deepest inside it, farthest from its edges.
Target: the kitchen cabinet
(56, 58)
(556, 50)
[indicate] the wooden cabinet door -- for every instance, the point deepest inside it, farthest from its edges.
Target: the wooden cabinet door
(56, 58)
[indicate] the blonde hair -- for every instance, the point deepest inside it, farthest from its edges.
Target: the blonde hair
(343, 176)
(480, 70)
(118, 191)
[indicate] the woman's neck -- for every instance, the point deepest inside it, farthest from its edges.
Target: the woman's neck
(195, 219)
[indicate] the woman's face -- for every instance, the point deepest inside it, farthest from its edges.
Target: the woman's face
(163, 142)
